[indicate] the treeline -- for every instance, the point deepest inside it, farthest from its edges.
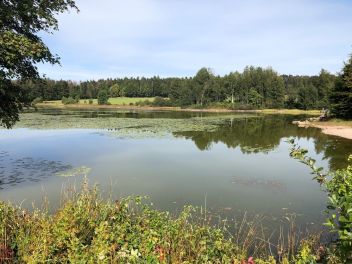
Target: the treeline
(255, 87)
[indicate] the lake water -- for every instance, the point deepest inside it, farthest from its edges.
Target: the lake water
(233, 163)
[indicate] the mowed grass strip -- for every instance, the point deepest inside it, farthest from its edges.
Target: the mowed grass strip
(335, 123)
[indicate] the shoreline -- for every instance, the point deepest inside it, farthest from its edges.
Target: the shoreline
(178, 109)
(334, 128)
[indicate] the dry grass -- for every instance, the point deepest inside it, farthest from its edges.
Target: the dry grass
(335, 122)
(127, 102)
(291, 111)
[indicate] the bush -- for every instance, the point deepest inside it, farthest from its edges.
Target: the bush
(116, 91)
(238, 106)
(143, 103)
(90, 101)
(220, 105)
(338, 186)
(68, 100)
(103, 97)
(77, 98)
(194, 106)
(160, 101)
(37, 100)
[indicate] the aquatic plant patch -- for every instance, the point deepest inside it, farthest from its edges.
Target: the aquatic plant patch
(124, 127)
(78, 171)
(15, 171)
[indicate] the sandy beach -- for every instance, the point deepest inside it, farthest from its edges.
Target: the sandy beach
(329, 128)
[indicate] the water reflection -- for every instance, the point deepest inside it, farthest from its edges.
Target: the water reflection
(262, 135)
(269, 184)
(104, 113)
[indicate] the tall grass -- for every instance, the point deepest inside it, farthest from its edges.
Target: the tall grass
(90, 229)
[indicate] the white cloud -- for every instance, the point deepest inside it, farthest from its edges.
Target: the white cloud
(110, 38)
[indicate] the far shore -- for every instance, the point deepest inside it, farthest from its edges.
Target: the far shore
(333, 127)
(179, 109)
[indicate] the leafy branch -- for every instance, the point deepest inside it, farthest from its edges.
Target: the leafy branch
(338, 186)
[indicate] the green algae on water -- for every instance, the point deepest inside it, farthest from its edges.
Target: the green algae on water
(78, 171)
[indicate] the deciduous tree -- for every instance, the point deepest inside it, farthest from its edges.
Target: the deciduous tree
(103, 97)
(21, 48)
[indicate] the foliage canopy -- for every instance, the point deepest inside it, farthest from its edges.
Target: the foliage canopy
(341, 97)
(21, 48)
(103, 97)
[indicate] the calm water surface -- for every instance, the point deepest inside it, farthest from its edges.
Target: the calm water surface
(234, 163)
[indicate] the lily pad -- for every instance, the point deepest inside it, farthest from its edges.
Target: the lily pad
(126, 127)
(78, 171)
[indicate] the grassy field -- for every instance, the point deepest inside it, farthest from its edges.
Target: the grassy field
(113, 101)
(335, 122)
(129, 101)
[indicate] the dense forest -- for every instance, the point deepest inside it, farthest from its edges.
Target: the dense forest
(255, 87)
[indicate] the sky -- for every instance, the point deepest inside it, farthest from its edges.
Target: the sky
(175, 38)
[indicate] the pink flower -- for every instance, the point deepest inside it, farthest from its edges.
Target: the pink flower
(249, 261)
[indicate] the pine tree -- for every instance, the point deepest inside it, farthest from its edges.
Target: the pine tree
(341, 97)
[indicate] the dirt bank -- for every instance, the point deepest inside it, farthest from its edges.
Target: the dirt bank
(340, 131)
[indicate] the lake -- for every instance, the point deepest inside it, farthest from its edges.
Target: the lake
(228, 163)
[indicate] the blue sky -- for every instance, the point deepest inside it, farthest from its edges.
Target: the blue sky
(117, 38)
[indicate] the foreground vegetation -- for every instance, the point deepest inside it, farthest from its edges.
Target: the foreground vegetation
(90, 229)
(338, 186)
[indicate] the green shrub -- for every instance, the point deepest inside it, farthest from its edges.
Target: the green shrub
(239, 106)
(103, 97)
(68, 100)
(90, 101)
(77, 98)
(116, 91)
(160, 101)
(338, 186)
(37, 100)
(143, 103)
(220, 105)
